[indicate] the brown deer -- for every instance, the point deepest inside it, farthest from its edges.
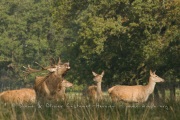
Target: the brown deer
(62, 88)
(137, 93)
(94, 92)
(47, 86)
(21, 96)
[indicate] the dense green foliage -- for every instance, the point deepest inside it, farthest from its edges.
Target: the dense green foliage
(125, 38)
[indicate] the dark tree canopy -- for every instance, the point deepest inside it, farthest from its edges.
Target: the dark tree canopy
(125, 38)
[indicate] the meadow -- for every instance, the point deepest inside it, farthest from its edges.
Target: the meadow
(79, 108)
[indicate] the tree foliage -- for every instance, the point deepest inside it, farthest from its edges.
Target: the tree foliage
(125, 38)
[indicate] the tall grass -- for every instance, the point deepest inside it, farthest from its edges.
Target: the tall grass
(79, 108)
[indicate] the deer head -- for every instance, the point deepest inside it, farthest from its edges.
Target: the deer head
(66, 83)
(155, 78)
(59, 69)
(98, 77)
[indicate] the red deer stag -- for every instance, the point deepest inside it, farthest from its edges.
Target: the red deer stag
(21, 96)
(137, 93)
(94, 92)
(47, 86)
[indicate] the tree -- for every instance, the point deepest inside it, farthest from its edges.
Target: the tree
(125, 38)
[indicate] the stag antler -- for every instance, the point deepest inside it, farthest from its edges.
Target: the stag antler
(52, 61)
(29, 70)
(43, 68)
(49, 68)
(59, 61)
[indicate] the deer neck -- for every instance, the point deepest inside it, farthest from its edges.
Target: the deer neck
(99, 88)
(150, 86)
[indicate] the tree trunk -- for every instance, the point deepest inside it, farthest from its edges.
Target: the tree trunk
(162, 92)
(172, 92)
(156, 96)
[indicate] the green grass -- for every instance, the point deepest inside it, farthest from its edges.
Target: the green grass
(79, 108)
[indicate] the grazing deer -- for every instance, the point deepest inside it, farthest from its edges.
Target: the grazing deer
(94, 92)
(47, 86)
(137, 93)
(21, 96)
(62, 88)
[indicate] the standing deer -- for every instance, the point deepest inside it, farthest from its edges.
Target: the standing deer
(62, 89)
(94, 92)
(137, 93)
(47, 86)
(21, 96)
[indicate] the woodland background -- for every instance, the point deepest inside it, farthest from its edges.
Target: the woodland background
(125, 38)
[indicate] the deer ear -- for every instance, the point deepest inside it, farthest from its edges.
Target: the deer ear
(67, 63)
(59, 62)
(154, 72)
(151, 73)
(94, 73)
(52, 62)
(102, 74)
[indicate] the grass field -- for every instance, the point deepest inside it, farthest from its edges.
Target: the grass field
(78, 108)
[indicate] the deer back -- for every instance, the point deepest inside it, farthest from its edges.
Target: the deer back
(20, 96)
(136, 93)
